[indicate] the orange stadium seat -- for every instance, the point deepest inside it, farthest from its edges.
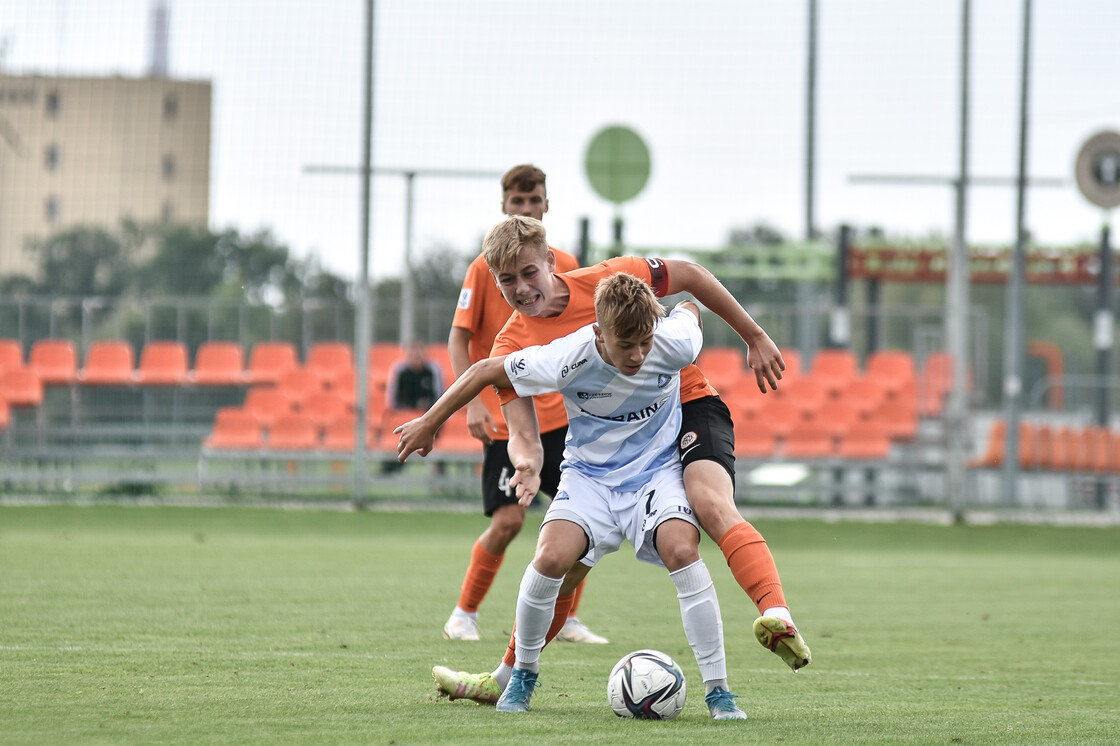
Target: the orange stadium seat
(892, 370)
(270, 360)
(809, 439)
(441, 356)
(330, 360)
(834, 367)
(163, 362)
(338, 434)
(899, 417)
(995, 449)
(324, 407)
(292, 432)
(806, 394)
(390, 420)
(795, 365)
(21, 387)
(109, 362)
(298, 384)
(266, 404)
(863, 393)
(725, 367)
(234, 429)
(11, 354)
(455, 436)
(867, 440)
(779, 416)
(55, 360)
(754, 440)
(218, 363)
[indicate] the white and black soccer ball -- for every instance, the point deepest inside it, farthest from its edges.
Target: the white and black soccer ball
(646, 684)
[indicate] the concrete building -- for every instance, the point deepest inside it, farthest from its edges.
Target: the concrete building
(88, 151)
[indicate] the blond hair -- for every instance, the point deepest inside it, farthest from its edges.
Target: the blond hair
(626, 306)
(504, 242)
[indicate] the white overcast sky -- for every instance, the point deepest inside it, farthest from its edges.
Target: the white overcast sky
(715, 87)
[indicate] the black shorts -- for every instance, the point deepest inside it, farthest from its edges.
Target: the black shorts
(497, 470)
(707, 433)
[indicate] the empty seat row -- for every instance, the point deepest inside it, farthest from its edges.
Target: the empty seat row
(1062, 448)
(239, 429)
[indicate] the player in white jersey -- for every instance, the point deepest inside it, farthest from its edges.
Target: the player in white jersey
(621, 477)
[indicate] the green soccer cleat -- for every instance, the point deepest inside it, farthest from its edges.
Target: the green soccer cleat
(721, 704)
(480, 687)
(518, 692)
(782, 638)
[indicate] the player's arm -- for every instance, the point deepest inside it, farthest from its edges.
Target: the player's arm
(417, 436)
(479, 421)
(525, 450)
(763, 355)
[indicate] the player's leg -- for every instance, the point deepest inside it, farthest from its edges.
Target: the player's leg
(552, 442)
(560, 545)
(707, 448)
(506, 520)
(677, 540)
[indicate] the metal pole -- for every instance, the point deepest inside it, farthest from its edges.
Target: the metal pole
(1013, 365)
(1102, 330)
(956, 305)
(804, 288)
(364, 321)
(408, 288)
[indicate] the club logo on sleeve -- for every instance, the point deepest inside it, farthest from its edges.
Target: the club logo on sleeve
(465, 298)
(516, 367)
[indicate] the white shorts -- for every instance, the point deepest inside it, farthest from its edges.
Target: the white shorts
(608, 517)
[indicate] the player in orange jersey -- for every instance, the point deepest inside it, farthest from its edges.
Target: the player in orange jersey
(481, 313)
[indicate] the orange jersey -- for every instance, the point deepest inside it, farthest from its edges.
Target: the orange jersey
(525, 331)
(483, 311)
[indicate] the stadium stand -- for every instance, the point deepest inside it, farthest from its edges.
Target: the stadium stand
(162, 363)
(267, 404)
(108, 362)
(899, 417)
(834, 368)
(810, 439)
(338, 435)
(324, 407)
(330, 361)
(55, 361)
(754, 441)
(292, 432)
(455, 437)
(270, 360)
(218, 363)
(868, 440)
(21, 387)
(865, 394)
(892, 370)
(11, 354)
(806, 394)
(795, 365)
(299, 384)
(390, 420)
(5, 413)
(726, 368)
(234, 429)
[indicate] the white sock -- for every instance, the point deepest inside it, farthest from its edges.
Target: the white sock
(703, 625)
(465, 614)
(781, 612)
(502, 673)
(536, 605)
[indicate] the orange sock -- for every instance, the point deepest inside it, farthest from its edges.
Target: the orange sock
(576, 597)
(752, 565)
(559, 616)
(480, 576)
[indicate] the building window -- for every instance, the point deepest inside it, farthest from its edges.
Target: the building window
(52, 210)
(168, 167)
(167, 213)
(54, 103)
(170, 107)
(51, 157)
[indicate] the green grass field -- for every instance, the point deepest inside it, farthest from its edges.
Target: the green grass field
(231, 625)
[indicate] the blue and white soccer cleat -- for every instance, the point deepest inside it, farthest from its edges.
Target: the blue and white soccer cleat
(721, 704)
(518, 691)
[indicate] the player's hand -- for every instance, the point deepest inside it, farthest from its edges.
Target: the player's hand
(764, 358)
(527, 483)
(415, 437)
(480, 423)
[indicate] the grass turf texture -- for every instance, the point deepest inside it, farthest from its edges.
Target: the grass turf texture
(183, 625)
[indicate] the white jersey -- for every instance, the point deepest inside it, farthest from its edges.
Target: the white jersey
(619, 427)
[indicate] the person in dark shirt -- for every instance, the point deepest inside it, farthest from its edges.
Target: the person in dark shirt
(414, 381)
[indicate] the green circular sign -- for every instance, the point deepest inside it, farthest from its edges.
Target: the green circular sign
(617, 164)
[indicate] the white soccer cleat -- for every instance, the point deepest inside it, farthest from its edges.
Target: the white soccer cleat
(576, 631)
(461, 627)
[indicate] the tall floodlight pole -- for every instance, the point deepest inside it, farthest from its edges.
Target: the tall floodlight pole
(364, 322)
(957, 305)
(1013, 349)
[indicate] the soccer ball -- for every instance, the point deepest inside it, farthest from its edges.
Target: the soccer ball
(648, 685)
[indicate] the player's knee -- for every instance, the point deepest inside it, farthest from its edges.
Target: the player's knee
(506, 524)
